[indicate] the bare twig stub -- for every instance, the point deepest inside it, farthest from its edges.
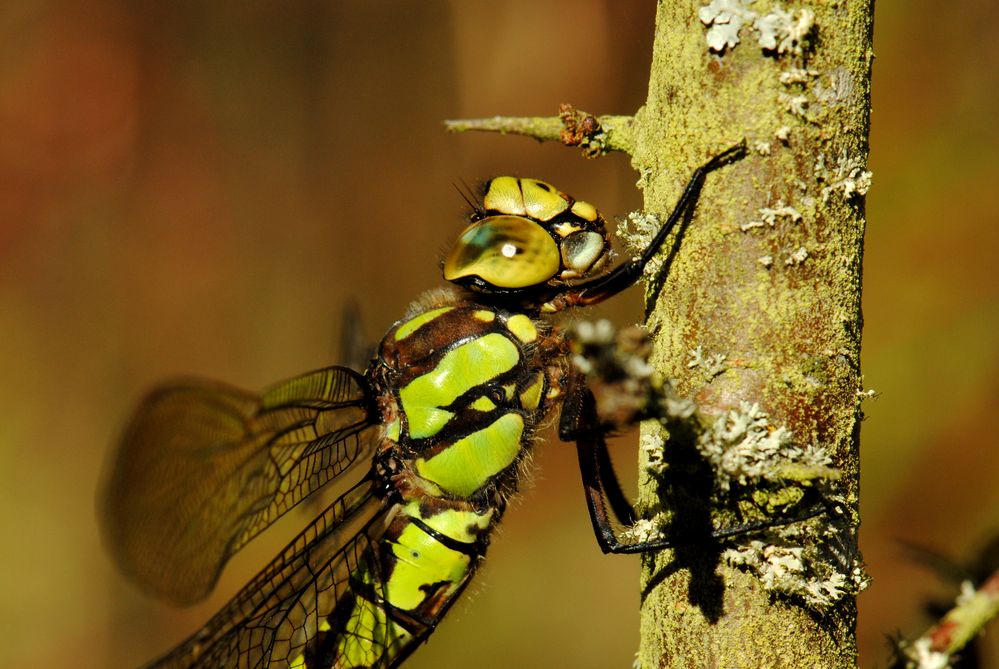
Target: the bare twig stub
(974, 609)
(596, 135)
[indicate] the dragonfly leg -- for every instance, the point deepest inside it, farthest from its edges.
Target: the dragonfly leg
(626, 274)
(602, 487)
(576, 425)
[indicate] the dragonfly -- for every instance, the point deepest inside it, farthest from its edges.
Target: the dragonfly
(426, 445)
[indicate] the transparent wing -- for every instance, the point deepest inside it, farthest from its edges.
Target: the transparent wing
(302, 609)
(204, 467)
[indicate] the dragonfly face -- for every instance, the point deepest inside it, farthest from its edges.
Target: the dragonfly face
(528, 235)
(424, 449)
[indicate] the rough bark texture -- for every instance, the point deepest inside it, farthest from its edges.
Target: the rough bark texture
(787, 320)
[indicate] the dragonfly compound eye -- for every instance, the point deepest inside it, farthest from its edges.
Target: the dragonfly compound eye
(581, 250)
(507, 252)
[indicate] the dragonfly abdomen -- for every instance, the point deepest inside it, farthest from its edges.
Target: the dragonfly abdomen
(404, 583)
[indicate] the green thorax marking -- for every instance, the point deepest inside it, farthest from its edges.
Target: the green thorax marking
(463, 368)
(414, 324)
(468, 382)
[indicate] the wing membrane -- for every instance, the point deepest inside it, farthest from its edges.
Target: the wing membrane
(293, 601)
(204, 467)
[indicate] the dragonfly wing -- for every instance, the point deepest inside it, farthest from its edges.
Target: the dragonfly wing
(204, 467)
(301, 611)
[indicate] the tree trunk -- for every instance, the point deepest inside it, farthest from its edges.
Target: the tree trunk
(769, 275)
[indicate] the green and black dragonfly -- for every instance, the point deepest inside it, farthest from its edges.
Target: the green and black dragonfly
(428, 442)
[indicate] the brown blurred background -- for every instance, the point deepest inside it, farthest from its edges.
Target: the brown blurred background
(197, 187)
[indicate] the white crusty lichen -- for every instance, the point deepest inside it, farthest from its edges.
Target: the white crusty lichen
(654, 449)
(815, 562)
(784, 31)
(796, 257)
(637, 229)
(600, 333)
(796, 105)
(793, 565)
(770, 215)
(643, 530)
(868, 394)
(920, 655)
(849, 178)
(725, 19)
(779, 31)
(743, 446)
(636, 232)
(713, 364)
(798, 75)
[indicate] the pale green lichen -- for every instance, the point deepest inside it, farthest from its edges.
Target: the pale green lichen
(785, 32)
(725, 19)
(770, 215)
(849, 178)
(713, 365)
(743, 446)
(597, 144)
(796, 257)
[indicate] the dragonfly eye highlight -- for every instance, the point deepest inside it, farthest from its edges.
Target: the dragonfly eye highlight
(504, 251)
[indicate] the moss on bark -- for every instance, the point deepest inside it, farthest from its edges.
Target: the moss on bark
(770, 276)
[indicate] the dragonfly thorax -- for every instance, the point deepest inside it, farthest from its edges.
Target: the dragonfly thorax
(461, 387)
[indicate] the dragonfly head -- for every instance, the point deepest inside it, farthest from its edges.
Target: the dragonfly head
(528, 234)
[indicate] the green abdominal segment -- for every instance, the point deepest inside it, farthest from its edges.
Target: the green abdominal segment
(468, 464)
(401, 587)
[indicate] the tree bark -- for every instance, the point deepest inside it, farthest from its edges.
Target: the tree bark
(768, 275)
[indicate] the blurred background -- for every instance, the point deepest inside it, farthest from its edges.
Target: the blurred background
(193, 187)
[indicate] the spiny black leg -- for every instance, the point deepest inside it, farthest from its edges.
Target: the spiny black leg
(689, 197)
(583, 425)
(628, 273)
(572, 428)
(599, 480)
(622, 508)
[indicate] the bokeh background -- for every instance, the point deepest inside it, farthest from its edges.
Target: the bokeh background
(193, 187)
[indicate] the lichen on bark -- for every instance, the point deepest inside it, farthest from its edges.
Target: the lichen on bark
(781, 301)
(762, 293)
